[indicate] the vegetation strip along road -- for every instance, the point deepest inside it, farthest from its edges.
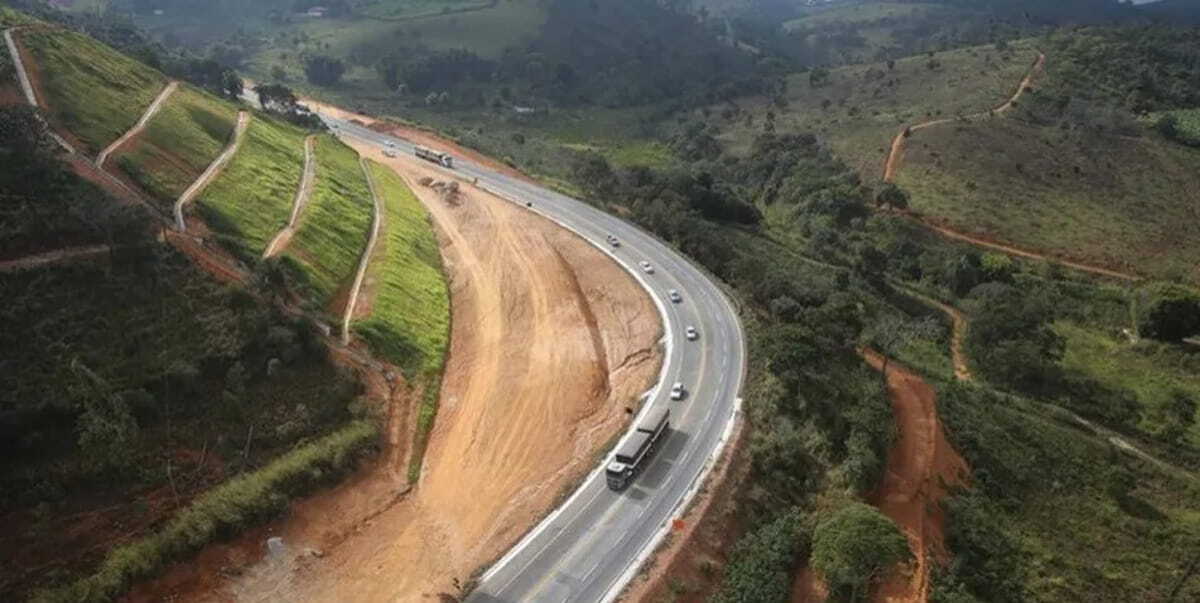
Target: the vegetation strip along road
(376, 216)
(302, 194)
(212, 171)
(897, 153)
(140, 125)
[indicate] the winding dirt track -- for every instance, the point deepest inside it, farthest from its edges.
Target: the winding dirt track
(52, 257)
(284, 236)
(892, 164)
(921, 467)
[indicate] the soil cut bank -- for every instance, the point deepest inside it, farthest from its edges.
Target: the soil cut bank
(550, 341)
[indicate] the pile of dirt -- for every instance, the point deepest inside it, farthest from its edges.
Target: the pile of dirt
(550, 342)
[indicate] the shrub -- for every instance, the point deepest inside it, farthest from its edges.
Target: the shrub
(1169, 312)
(854, 546)
(761, 564)
(223, 511)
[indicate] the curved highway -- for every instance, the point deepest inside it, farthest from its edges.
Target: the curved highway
(593, 544)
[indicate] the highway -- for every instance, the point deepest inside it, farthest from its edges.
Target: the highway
(593, 544)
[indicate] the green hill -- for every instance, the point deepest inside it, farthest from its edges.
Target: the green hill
(248, 217)
(333, 231)
(179, 143)
(1073, 172)
(93, 92)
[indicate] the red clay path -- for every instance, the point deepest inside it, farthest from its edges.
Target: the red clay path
(921, 467)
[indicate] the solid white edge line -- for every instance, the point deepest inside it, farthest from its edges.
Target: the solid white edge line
(647, 550)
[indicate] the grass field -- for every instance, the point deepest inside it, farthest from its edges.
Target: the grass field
(486, 32)
(334, 228)
(252, 198)
(866, 12)
(92, 91)
(1187, 125)
(409, 9)
(868, 104)
(1079, 533)
(1126, 203)
(409, 323)
(179, 143)
(1148, 371)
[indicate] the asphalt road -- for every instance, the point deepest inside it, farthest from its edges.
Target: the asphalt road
(590, 547)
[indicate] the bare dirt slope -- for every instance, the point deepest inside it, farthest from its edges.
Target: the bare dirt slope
(921, 466)
(550, 342)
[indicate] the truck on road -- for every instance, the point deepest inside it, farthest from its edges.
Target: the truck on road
(438, 157)
(631, 456)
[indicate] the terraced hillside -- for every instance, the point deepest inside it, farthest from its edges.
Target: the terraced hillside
(408, 322)
(332, 234)
(179, 143)
(91, 91)
(252, 198)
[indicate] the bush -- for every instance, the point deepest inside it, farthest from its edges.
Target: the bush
(854, 546)
(760, 566)
(1169, 312)
(224, 511)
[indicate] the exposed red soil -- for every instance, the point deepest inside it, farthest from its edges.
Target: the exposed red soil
(699, 545)
(525, 402)
(898, 143)
(921, 468)
(983, 241)
(958, 332)
(80, 536)
(809, 588)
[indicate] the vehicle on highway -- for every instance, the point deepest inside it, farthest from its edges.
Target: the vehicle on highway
(389, 153)
(438, 157)
(390, 144)
(613, 241)
(674, 295)
(677, 391)
(631, 456)
(691, 333)
(646, 267)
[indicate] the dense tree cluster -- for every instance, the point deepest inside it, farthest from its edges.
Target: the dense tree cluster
(854, 547)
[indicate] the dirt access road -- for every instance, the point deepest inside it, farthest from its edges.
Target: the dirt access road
(550, 342)
(894, 158)
(921, 467)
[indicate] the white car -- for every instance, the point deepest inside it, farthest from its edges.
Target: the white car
(674, 295)
(389, 153)
(677, 391)
(391, 144)
(691, 333)
(646, 267)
